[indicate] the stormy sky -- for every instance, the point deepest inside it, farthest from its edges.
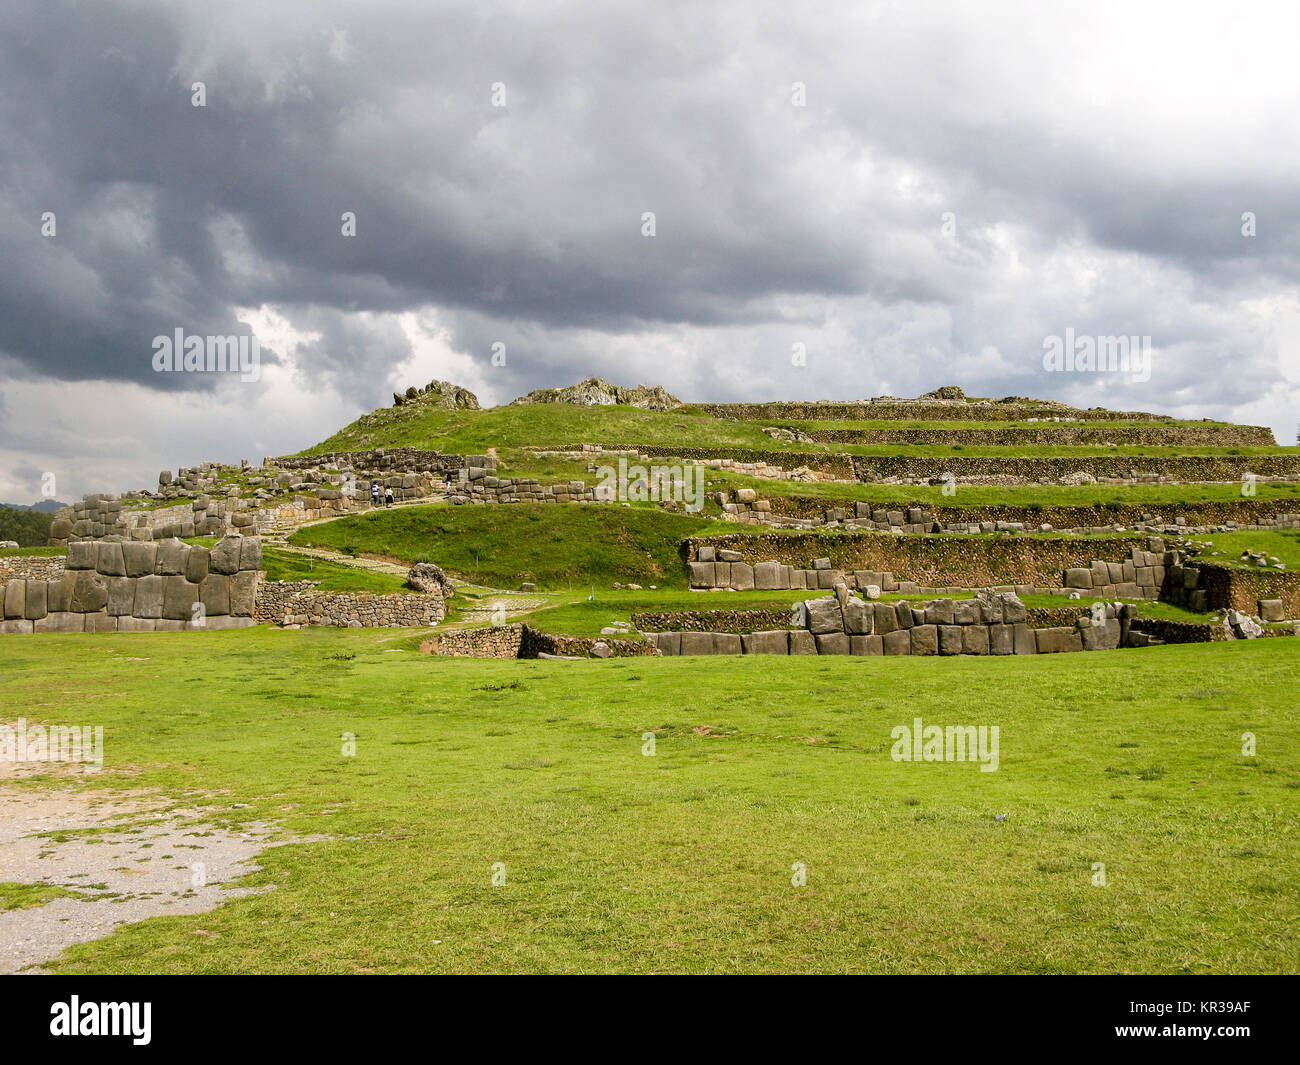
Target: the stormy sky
(911, 194)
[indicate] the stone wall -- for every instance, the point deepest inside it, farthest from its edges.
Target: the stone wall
(917, 410)
(711, 620)
(780, 561)
(1062, 435)
(1054, 469)
(1205, 586)
(479, 486)
(769, 465)
(356, 610)
(523, 641)
(497, 641)
(167, 586)
(991, 624)
(30, 567)
(384, 460)
(274, 599)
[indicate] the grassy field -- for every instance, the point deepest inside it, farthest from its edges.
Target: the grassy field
(1284, 545)
(683, 861)
(551, 544)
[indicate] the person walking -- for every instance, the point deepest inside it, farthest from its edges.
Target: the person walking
(374, 493)
(388, 497)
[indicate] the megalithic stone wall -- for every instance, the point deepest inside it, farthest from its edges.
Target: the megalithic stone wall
(141, 586)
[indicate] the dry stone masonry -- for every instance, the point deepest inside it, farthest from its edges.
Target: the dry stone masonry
(164, 586)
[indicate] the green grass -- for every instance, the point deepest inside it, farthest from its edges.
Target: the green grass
(33, 552)
(682, 862)
(333, 576)
(15, 896)
(550, 544)
(1284, 544)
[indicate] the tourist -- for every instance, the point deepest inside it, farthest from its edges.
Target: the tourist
(388, 497)
(374, 493)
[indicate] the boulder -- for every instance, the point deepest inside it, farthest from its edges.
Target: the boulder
(426, 577)
(139, 557)
(950, 639)
(867, 645)
(224, 557)
(898, 642)
(858, 617)
(924, 639)
(196, 564)
(89, 592)
(824, 615)
(171, 557)
(109, 561)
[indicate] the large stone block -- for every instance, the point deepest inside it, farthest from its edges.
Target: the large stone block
(770, 642)
(89, 591)
(82, 554)
(15, 599)
(108, 560)
(1013, 610)
(924, 639)
(858, 617)
(742, 577)
(906, 616)
(224, 557)
(196, 564)
(701, 574)
(824, 615)
(1077, 578)
(940, 612)
(58, 593)
(1271, 610)
(869, 646)
(950, 642)
(1001, 639)
(17, 627)
(171, 557)
(832, 643)
(885, 617)
(34, 606)
(61, 621)
(130, 624)
(966, 612)
(975, 639)
(149, 597)
(250, 553)
(179, 597)
(697, 643)
(767, 576)
(899, 642)
(140, 558)
(802, 642)
(214, 594)
(243, 592)
(669, 643)
(101, 621)
(1025, 643)
(121, 596)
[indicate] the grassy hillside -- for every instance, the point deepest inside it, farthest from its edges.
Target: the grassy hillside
(552, 545)
(682, 861)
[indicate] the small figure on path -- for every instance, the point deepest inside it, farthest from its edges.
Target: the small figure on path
(388, 497)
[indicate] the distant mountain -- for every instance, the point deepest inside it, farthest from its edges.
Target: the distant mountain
(45, 506)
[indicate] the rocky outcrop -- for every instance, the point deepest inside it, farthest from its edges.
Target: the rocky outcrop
(597, 392)
(438, 394)
(426, 577)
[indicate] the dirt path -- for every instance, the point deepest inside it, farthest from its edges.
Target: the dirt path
(143, 859)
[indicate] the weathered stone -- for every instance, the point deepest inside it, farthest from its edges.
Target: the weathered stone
(767, 576)
(1001, 639)
(939, 612)
(101, 621)
(1013, 610)
(802, 642)
(132, 624)
(869, 646)
(899, 641)
(108, 560)
(61, 621)
(1077, 578)
(214, 594)
(89, 592)
(906, 615)
(1024, 641)
(832, 643)
(171, 558)
(975, 639)
(886, 618)
(82, 554)
(697, 643)
(1271, 610)
(768, 642)
(702, 574)
(149, 597)
(196, 564)
(225, 556)
(15, 599)
(966, 612)
(950, 641)
(426, 577)
(824, 615)
(139, 557)
(250, 553)
(742, 577)
(121, 596)
(727, 643)
(858, 617)
(179, 597)
(924, 639)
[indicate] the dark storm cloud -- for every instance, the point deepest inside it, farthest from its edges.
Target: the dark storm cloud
(522, 224)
